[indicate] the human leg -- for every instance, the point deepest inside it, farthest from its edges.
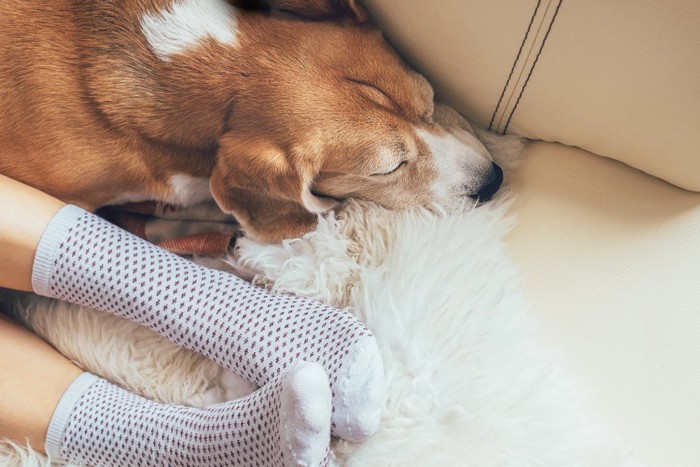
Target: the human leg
(25, 214)
(89, 420)
(285, 423)
(34, 377)
(246, 329)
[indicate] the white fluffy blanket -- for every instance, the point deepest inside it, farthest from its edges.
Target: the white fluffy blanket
(468, 382)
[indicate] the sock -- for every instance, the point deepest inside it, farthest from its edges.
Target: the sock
(257, 335)
(286, 423)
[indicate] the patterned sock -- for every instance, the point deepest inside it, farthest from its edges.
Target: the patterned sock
(257, 335)
(285, 423)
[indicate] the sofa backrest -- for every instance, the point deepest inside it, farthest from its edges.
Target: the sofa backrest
(617, 78)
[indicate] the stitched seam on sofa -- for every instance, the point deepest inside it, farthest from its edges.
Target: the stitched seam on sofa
(556, 12)
(515, 62)
(524, 65)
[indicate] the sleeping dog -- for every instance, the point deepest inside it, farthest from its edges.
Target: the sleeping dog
(277, 113)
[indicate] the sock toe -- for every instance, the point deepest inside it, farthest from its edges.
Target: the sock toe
(359, 393)
(305, 416)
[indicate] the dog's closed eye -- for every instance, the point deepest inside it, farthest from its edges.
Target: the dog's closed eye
(395, 169)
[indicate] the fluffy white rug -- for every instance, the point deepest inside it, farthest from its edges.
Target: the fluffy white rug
(468, 382)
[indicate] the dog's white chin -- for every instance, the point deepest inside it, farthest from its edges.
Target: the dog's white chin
(453, 205)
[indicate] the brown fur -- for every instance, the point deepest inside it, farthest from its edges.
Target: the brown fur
(89, 113)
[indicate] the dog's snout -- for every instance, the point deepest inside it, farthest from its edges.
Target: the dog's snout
(490, 186)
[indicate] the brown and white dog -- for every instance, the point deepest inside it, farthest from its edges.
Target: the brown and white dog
(277, 116)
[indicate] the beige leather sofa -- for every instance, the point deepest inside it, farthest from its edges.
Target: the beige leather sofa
(609, 246)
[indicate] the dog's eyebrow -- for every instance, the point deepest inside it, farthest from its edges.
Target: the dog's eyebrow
(393, 101)
(401, 148)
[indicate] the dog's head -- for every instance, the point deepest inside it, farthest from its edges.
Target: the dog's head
(338, 116)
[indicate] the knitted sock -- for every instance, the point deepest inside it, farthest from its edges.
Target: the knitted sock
(285, 423)
(257, 335)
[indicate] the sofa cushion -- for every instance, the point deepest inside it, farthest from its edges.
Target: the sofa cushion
(611, 261)
(619, 79)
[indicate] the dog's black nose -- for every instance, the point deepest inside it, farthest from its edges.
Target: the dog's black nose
(491, 186)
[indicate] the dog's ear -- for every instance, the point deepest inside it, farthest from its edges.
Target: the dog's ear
(321, 9)
(266, 189)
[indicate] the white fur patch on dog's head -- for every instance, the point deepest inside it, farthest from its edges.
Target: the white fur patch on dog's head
(186, 22)
(461, 161)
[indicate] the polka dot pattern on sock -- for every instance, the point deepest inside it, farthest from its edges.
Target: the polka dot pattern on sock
(246, 329)
(110, 426)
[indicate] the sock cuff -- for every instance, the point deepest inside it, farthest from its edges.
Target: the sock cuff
(52, 237)
(61, 415)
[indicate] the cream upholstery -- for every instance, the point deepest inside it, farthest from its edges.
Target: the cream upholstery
(619, 79)
(611, 259)
(610, 255)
